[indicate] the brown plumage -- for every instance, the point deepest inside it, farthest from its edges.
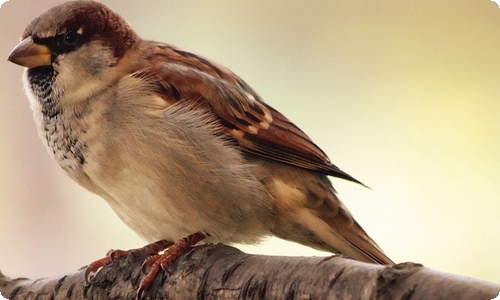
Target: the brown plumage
(175, 143)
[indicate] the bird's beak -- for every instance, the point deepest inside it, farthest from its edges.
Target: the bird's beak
(30, 55)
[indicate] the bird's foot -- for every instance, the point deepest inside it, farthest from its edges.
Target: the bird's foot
(153, 264)
(150, 249)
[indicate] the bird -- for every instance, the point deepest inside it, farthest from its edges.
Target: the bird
(181, 148)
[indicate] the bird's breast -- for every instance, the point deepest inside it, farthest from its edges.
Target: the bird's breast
(65, 141)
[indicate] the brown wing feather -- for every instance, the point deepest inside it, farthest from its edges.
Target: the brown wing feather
(334, 213)
(257, 127)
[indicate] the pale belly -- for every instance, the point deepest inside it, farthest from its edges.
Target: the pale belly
(156, 211)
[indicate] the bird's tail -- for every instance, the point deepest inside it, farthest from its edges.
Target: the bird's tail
(312, 214)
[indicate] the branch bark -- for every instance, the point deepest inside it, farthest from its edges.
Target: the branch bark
(223, 272)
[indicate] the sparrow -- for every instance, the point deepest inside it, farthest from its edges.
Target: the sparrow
(180, 147)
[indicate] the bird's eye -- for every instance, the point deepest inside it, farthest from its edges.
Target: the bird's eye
(71, 38)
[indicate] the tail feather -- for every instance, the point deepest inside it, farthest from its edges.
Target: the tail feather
(350, 238)
(309, 212)
(339, 235)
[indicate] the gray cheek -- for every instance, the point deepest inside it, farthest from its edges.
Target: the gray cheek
(92, 59)
(99, 63)
(95, 67)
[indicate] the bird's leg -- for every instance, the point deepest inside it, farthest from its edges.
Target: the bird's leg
(150, 249)
(163, 261)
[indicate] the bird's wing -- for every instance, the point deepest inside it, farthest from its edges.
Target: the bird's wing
(257, 127)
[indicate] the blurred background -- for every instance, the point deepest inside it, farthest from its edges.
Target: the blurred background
(403, 95)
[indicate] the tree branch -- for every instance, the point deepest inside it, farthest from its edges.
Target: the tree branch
(223, 272)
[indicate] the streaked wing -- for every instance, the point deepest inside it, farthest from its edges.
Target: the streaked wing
(257, 127)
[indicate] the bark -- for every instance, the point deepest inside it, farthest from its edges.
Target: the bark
(223, 272)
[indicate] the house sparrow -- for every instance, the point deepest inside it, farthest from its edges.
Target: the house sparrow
(180, 147)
